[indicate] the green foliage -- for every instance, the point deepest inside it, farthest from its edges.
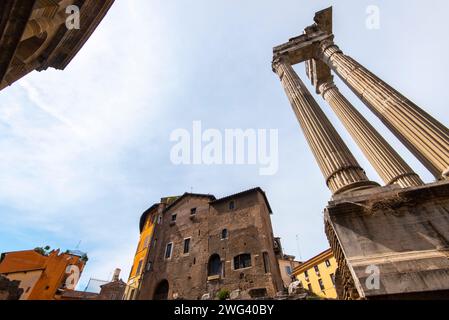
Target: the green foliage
(45, 251)
(223, 294)
(85, 258)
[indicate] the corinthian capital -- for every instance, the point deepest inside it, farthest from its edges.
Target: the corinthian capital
(277, 62)
(326, 86)
(326, 49)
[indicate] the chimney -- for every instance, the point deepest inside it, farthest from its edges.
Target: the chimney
(116, 275)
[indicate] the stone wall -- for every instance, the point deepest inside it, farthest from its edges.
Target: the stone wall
(112, 291)
(400, 234)
(249, 231)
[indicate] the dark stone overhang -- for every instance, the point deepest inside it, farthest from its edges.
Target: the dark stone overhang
(14, 16)
(67, 43)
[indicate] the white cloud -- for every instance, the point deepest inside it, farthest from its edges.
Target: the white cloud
(64, 136)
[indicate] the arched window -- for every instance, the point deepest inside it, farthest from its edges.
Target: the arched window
(161, 292)
(214, 265)
(224, 234)
(242, 261)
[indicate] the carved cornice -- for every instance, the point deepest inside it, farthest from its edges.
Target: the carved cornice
(67, 43)
(277, 62)
(14, 16)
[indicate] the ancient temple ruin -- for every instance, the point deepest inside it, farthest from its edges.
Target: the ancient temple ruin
(398, 232)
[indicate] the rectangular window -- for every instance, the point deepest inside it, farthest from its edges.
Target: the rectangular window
(168, 250)
(317, 270)
(266, 262)
(173, 217)
(193, 211)
(149, 266)
(186, 246)
(328, 263)
(231, 205)
(139, 268)
(333, 278)
(146, 242)
(132, 294)
(224, 234)
(310, 287)
(242, 261)
(320, 281)
(288, 270)
(306, 275)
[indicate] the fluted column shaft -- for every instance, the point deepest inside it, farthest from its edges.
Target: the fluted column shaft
(338, 165)
(385, 160)
(423, 135)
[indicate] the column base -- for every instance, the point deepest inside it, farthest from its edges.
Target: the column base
(359, 185)
(409, 179)
(395, 225)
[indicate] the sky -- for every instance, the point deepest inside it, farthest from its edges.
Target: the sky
(85, 151)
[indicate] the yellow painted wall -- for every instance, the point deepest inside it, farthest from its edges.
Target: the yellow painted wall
(141, 255)
(325, 274)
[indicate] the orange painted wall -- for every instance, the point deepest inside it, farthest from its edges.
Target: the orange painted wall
(53, 266)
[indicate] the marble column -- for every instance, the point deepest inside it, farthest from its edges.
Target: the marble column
(387, 162)
(338, 165)
(423, 135)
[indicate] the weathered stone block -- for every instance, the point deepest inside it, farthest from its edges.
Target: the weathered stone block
(391, 242)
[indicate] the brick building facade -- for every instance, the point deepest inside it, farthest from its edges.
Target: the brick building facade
(202, 245)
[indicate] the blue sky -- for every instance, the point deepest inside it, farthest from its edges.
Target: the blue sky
(83, 152)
